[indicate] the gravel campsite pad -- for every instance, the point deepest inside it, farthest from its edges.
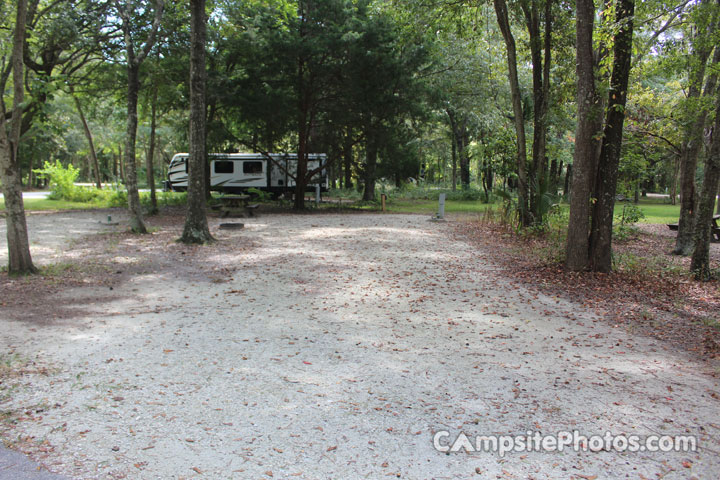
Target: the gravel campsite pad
(328, 346)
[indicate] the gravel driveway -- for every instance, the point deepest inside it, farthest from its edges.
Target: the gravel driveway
(337, 348)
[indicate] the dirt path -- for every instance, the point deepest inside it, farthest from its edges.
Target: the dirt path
(332, 346)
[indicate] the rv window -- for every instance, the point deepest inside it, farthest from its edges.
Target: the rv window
(252, 167)
(224, 167)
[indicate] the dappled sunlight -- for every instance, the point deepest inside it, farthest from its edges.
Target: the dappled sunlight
(340, 331)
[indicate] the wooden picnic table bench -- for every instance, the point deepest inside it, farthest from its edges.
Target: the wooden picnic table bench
(234, 204)
(715, 228)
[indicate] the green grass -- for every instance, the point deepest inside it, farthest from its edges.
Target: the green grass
(430, 207)
(34, 204)
(655, 212)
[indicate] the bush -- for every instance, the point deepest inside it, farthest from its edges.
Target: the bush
(61, 179)
(629, 216)
(260, 195)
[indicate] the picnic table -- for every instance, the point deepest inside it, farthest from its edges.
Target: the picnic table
(715, 228)
(234, 205)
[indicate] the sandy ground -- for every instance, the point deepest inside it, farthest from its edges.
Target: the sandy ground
(336, 347)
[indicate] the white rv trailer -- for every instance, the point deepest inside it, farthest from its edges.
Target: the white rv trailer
(237, 172)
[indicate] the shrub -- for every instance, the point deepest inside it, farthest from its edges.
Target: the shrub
(261, 195)
(61, 179)
(629, 216)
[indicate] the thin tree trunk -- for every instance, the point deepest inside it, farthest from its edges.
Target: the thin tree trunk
(370, 166)
(454, 159)
(121, 164)
(31, 174)
(606, 180)
(541, 92)
(584, 163)
(19, 258)
(91, 143)
(196, 227)
(690, 149)
(134, 60)
(673, 190)
(504, 24)
(136, 218)
(700, 262)
(347, 156)
(463, 154)
(150, 159)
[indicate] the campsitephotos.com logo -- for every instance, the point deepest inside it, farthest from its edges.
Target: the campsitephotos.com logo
(444, 442)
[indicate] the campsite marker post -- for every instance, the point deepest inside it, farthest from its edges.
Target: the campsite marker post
(441, 206)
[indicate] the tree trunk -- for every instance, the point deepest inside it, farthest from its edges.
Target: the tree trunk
(504, 24)
(370, 167)
(348, 158)
(135, 208)
(91, 144)
(300, 174)
(302, 129)
(454, 158)
(463, 138)
(541, 92)
(134, 60)
(150, 159)
(568, 174)
(19, 259)
(690, 149)
(584, 163)
(673, 190)
(700, 262)
(121, 164)
(196, 227)
(606, 180)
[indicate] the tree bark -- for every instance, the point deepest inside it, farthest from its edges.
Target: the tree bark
(303, 115)
(348, 158)
(129, 162)
(19, 258)
(91, 144)
(504, 24)
(700, 262)
(453, 151)
(606, 180)
(584, 163)
(134, 60)
(196, 227)
(150, 159)
(690, 149)
(540, 53)
(370, 167)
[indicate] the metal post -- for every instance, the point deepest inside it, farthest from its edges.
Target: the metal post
(441, 206)
(317, 194)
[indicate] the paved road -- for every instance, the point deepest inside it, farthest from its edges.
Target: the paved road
(28, 195)
(44, 193)
(16, 466)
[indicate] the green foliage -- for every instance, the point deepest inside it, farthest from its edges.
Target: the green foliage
(510, 211)
(628, 217)
(424, 192)
(546, 202)
(345, 194)
(60, 178)
(260, 195)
